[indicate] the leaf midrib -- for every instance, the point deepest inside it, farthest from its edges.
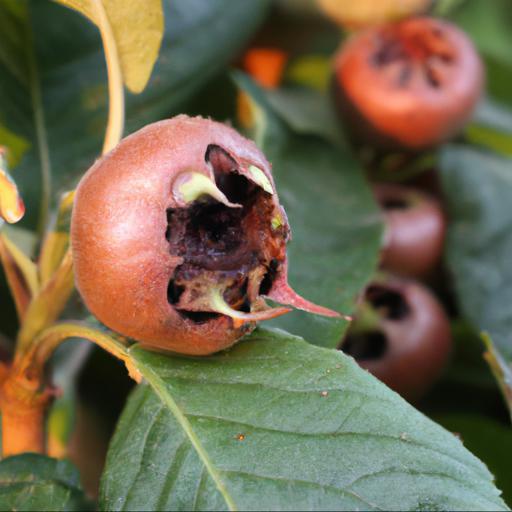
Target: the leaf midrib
(336, 434)
(465, 463)
(160, 388)
(36, 103)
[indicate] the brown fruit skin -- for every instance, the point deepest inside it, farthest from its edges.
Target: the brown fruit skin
(418, 345)
(121, 256)
(417, 95)
(414, 236)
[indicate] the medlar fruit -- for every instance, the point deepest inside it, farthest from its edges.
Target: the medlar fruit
(415, 230)
(361, 13)
(401, 334)
(407, 85)
(178, 235)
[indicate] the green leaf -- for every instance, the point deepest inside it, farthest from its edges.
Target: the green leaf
(501, 369)
(443, 7)
(335, 223)
(35, 482)
(491, 127)
(493, 114)
(54, 86)
(478, 188)
(488, 25)
(277, 423)
(307, 112)
(488, 439)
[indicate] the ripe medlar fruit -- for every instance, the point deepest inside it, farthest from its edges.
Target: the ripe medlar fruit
(178, 235)
(361, 13)
(401, 334)
(415, 230)
(407, 85)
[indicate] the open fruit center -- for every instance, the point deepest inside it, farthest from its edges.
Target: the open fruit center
(395, 203)
(390, 304)
(415, 47)
(371, 343)
(227, 251)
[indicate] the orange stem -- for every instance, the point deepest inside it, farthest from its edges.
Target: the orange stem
(23, 409)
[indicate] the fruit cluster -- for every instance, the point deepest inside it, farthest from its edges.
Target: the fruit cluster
(403, 87)
(180, 226)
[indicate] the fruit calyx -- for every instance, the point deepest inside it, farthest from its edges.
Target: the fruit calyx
(409, 48)
(230, 236)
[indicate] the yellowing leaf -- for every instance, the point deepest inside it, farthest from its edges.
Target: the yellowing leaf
(12, 208)
(16, 146)
(21, 274)
(56, 241)
(312, 71)
(47, 305)
(137, 26)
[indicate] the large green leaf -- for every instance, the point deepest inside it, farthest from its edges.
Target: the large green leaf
(35, 482)
(488, 25)
(335, 223)
(279, 424)
(491, 127)
(487, 438)
(54, 89)
(478, 188)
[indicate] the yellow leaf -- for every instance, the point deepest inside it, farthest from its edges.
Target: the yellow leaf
(56, 240)
(21, 274)
(137, 26)
(312, 71)
(46, 306)
(12, 208)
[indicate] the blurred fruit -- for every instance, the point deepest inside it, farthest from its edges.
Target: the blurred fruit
(407, 85)
(265, 65)
(401, 334)
(363, 13)
(415, 230)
